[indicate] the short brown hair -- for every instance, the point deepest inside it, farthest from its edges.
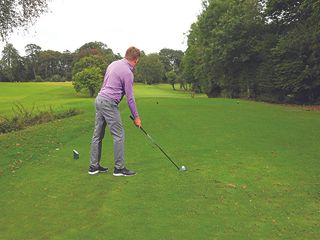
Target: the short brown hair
(132, 53)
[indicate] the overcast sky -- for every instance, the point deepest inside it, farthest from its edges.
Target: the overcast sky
(147, 24)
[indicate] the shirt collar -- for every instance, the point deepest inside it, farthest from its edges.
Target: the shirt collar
(130, 66)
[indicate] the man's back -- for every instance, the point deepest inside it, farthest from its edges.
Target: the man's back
(117, 76)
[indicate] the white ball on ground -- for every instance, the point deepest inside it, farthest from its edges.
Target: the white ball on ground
(183, 168)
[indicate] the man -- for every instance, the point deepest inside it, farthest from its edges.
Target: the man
(118, 81)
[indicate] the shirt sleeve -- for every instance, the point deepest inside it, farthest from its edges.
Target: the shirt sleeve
(128, 88)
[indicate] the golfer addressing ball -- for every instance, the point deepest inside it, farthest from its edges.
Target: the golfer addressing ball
(118, 81)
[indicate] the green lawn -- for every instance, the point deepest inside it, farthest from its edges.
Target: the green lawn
(253, 170)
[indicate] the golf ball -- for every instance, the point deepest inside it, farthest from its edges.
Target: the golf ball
(183, 168)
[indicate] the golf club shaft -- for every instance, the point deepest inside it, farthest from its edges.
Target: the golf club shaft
(144, 131)
(160, 148)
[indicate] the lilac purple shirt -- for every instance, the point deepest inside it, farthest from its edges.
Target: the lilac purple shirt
(118, 81)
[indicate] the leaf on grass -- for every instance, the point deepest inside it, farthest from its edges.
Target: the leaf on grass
(231, 185)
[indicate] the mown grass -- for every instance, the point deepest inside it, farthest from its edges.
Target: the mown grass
(253, 172)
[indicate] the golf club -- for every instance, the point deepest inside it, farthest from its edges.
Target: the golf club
(182, 168)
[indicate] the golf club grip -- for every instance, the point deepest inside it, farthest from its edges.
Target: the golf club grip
(140, 127)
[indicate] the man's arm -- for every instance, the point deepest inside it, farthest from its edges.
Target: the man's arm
(128, 87)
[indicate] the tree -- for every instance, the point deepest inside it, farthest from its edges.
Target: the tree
(92, 54)
(222, 48)
(89, 79)
(283, 11)
(92, 60)
(32, 56)
(265, 49)
(150, 69)
(17, 13)
(229, 48)
(295, 56)
(190, 74)
(66, 65)
(95, 48)
(171, 59)
(49, 64)
(12, 66)
(172, 77)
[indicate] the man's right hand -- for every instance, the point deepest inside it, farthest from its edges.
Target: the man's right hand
(137, 122)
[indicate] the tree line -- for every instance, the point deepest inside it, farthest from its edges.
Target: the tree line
(37, 65)
(261, 49)
(85, 66)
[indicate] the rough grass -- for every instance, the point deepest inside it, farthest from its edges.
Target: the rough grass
(24, 117)
(253, 173)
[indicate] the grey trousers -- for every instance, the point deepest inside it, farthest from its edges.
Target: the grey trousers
(107, 114)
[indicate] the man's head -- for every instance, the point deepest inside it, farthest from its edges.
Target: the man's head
(132, 55)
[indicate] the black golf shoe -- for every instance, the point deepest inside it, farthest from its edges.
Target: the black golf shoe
(95, 170)
(123, 172)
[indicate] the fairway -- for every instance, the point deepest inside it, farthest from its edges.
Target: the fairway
(253, 170)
